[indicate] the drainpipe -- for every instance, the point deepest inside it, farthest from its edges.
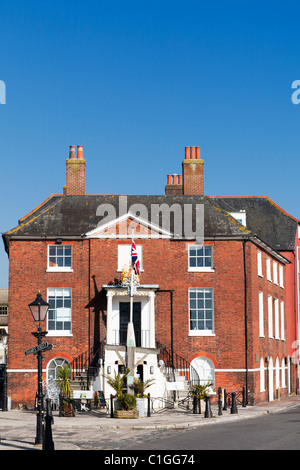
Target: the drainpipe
(246, 319)
(171, 291)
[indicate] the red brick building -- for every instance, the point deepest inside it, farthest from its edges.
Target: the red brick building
(213, 298)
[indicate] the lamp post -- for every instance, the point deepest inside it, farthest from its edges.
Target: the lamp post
(4, 341)
(39, 309)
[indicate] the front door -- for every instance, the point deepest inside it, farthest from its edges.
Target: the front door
(124, 320)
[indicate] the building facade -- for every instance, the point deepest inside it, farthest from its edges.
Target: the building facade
(212, 302)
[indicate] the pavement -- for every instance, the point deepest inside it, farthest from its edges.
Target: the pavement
(95, 430)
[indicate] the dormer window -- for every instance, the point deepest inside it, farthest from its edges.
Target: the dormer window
(240, 217)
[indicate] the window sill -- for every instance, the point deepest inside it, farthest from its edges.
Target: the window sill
(58, 334)
(201, 270)
(59, 270)
(201, 333)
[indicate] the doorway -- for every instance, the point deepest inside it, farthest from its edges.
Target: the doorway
(124, 320)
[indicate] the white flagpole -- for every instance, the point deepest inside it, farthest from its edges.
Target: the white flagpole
(130, 336)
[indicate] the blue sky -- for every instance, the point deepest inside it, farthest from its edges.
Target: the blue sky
(135, 82)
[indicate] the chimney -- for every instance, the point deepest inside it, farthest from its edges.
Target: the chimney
(174, 185)
(191, 181)
(75, 172)
(193, 172)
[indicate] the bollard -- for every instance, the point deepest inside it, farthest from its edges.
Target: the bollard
(194, 405)
(208, 412)
(225, 401)
(61, 406)
(148, 409)
(111, 406)
(234, 409)
(220, 401)
(244, 398)
(48, 443)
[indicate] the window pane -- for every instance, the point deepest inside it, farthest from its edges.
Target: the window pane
(201, 309)
(208, 263)
(68, 261)
(193, 314)
(200, 262)
(59, 314)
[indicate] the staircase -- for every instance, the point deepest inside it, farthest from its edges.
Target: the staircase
(85, 367)
(177, 369)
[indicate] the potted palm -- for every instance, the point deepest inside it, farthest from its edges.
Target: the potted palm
(124, 404)
(127, 404)
(63, 383)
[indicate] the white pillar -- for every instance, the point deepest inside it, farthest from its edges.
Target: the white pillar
(109, 312)
(152, 320)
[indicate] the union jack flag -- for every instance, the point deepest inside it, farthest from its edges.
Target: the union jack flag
(134, 259)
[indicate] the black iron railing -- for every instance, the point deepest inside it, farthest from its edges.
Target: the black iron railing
(87, 362)
(175, 363)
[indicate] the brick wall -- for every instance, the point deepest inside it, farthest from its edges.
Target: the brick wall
(165, 263)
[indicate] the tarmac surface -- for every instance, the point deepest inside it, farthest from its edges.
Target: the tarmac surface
(95, 430)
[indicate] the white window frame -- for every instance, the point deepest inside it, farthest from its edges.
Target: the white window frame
(261, 314)
(277, 374)
(59, 269)
(262, 375)
(281, 276)
(198, 308)
(270, 316)
(282, 320)
(276, 315)
(200, 269)
(275, 273)
(283, 381)
(63, 312)
(268, 264)
(259, 264)
(124, 256)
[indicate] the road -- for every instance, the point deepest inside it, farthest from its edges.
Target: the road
(279, 431)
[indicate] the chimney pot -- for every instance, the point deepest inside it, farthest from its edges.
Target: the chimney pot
(174, 179)
(187, 153)
(80, 152)
(72, 152)
(193, 153)
(179, 179)
(197, 153)
(169, 179)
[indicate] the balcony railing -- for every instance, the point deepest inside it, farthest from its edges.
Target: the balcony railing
(142, 338)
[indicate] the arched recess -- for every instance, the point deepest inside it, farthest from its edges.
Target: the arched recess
(205, 370)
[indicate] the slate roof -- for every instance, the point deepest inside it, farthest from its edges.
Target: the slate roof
(75, 216)
(264, 218)
(62, 216)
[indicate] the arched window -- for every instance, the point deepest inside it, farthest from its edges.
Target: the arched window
(271, 380)
(277, 379)
(283, 384)
(262, 375)
(54, 366)
(205, 370)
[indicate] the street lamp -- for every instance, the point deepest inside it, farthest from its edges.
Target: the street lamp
(4, 341)
(39, 309)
